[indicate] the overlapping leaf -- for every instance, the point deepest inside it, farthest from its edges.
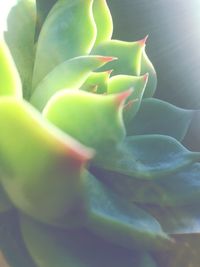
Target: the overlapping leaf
(62, 35)
(120, 221)
(19, 37)
(178, 189)
(50, 247)
(70, 74)
(40, 166)
(148, 157)
(95, 120)
(159, 117)
(10, 83)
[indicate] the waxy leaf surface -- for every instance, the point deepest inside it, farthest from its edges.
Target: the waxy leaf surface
(148, 157)
(10, 83)
(120, 83)
(120, 221)
(95, 120)
(63, 35)
(70, 74)
(177, 189)
(147, 67)
(40, 166)
(19, 37)
(159, 117)
(129, 56)
(103, 20)
(97, 82)
(50, 247)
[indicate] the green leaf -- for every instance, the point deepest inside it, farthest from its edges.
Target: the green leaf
(70, 74)
(183, 220)
(147, 67)
(10, 83)
(40, 167)
(103, 20)
(95, 120)
(159, 117)
(120, 83)
(50, 247)
(161, 191)
(129, 56)
(20, 39)
(97, 82)
(120, 221)
(147, 157)
(63, 35)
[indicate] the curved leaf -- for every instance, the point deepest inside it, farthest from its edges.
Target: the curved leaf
(120, 221)
(97, 82)
(69, 74)
(103, 20)
(159, 117)
(95, 120)
(63, 35)
(177, 189)
(50, 247)
(129, 56)
(10, 83)
(147, 157)
(41, 167)
(120, 83)
(19, 37)
(147, 67)
(183, 220)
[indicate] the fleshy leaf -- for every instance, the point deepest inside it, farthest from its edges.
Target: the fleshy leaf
(183, 220)
(94, 120)
(129, 56)
(69, 74)
(40, 167)
(10, 83)
(159, 117)
(120, 221)
(120, 83)
(103, 20)
(147, 67)
(20, 39)
(178, 189)
(147, 157)
(192, 138)
(97, 82)
(50, 247)
(64, 35)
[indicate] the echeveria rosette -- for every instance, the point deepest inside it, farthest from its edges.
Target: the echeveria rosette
(90, 161)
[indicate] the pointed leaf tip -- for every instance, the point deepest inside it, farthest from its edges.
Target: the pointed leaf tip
(121, 97)
(109, 71)
(146, 76)
(107, 59)
(143, 41)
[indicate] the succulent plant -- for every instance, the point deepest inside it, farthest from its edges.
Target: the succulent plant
(93, 172)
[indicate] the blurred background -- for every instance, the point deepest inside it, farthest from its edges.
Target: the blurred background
(173, 45)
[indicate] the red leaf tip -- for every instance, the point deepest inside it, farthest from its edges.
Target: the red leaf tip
(107, 59)
(146, 76)
(121, 97)
(143, 41)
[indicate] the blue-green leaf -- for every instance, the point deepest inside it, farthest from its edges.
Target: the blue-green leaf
(148, 157)
(159, 117)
